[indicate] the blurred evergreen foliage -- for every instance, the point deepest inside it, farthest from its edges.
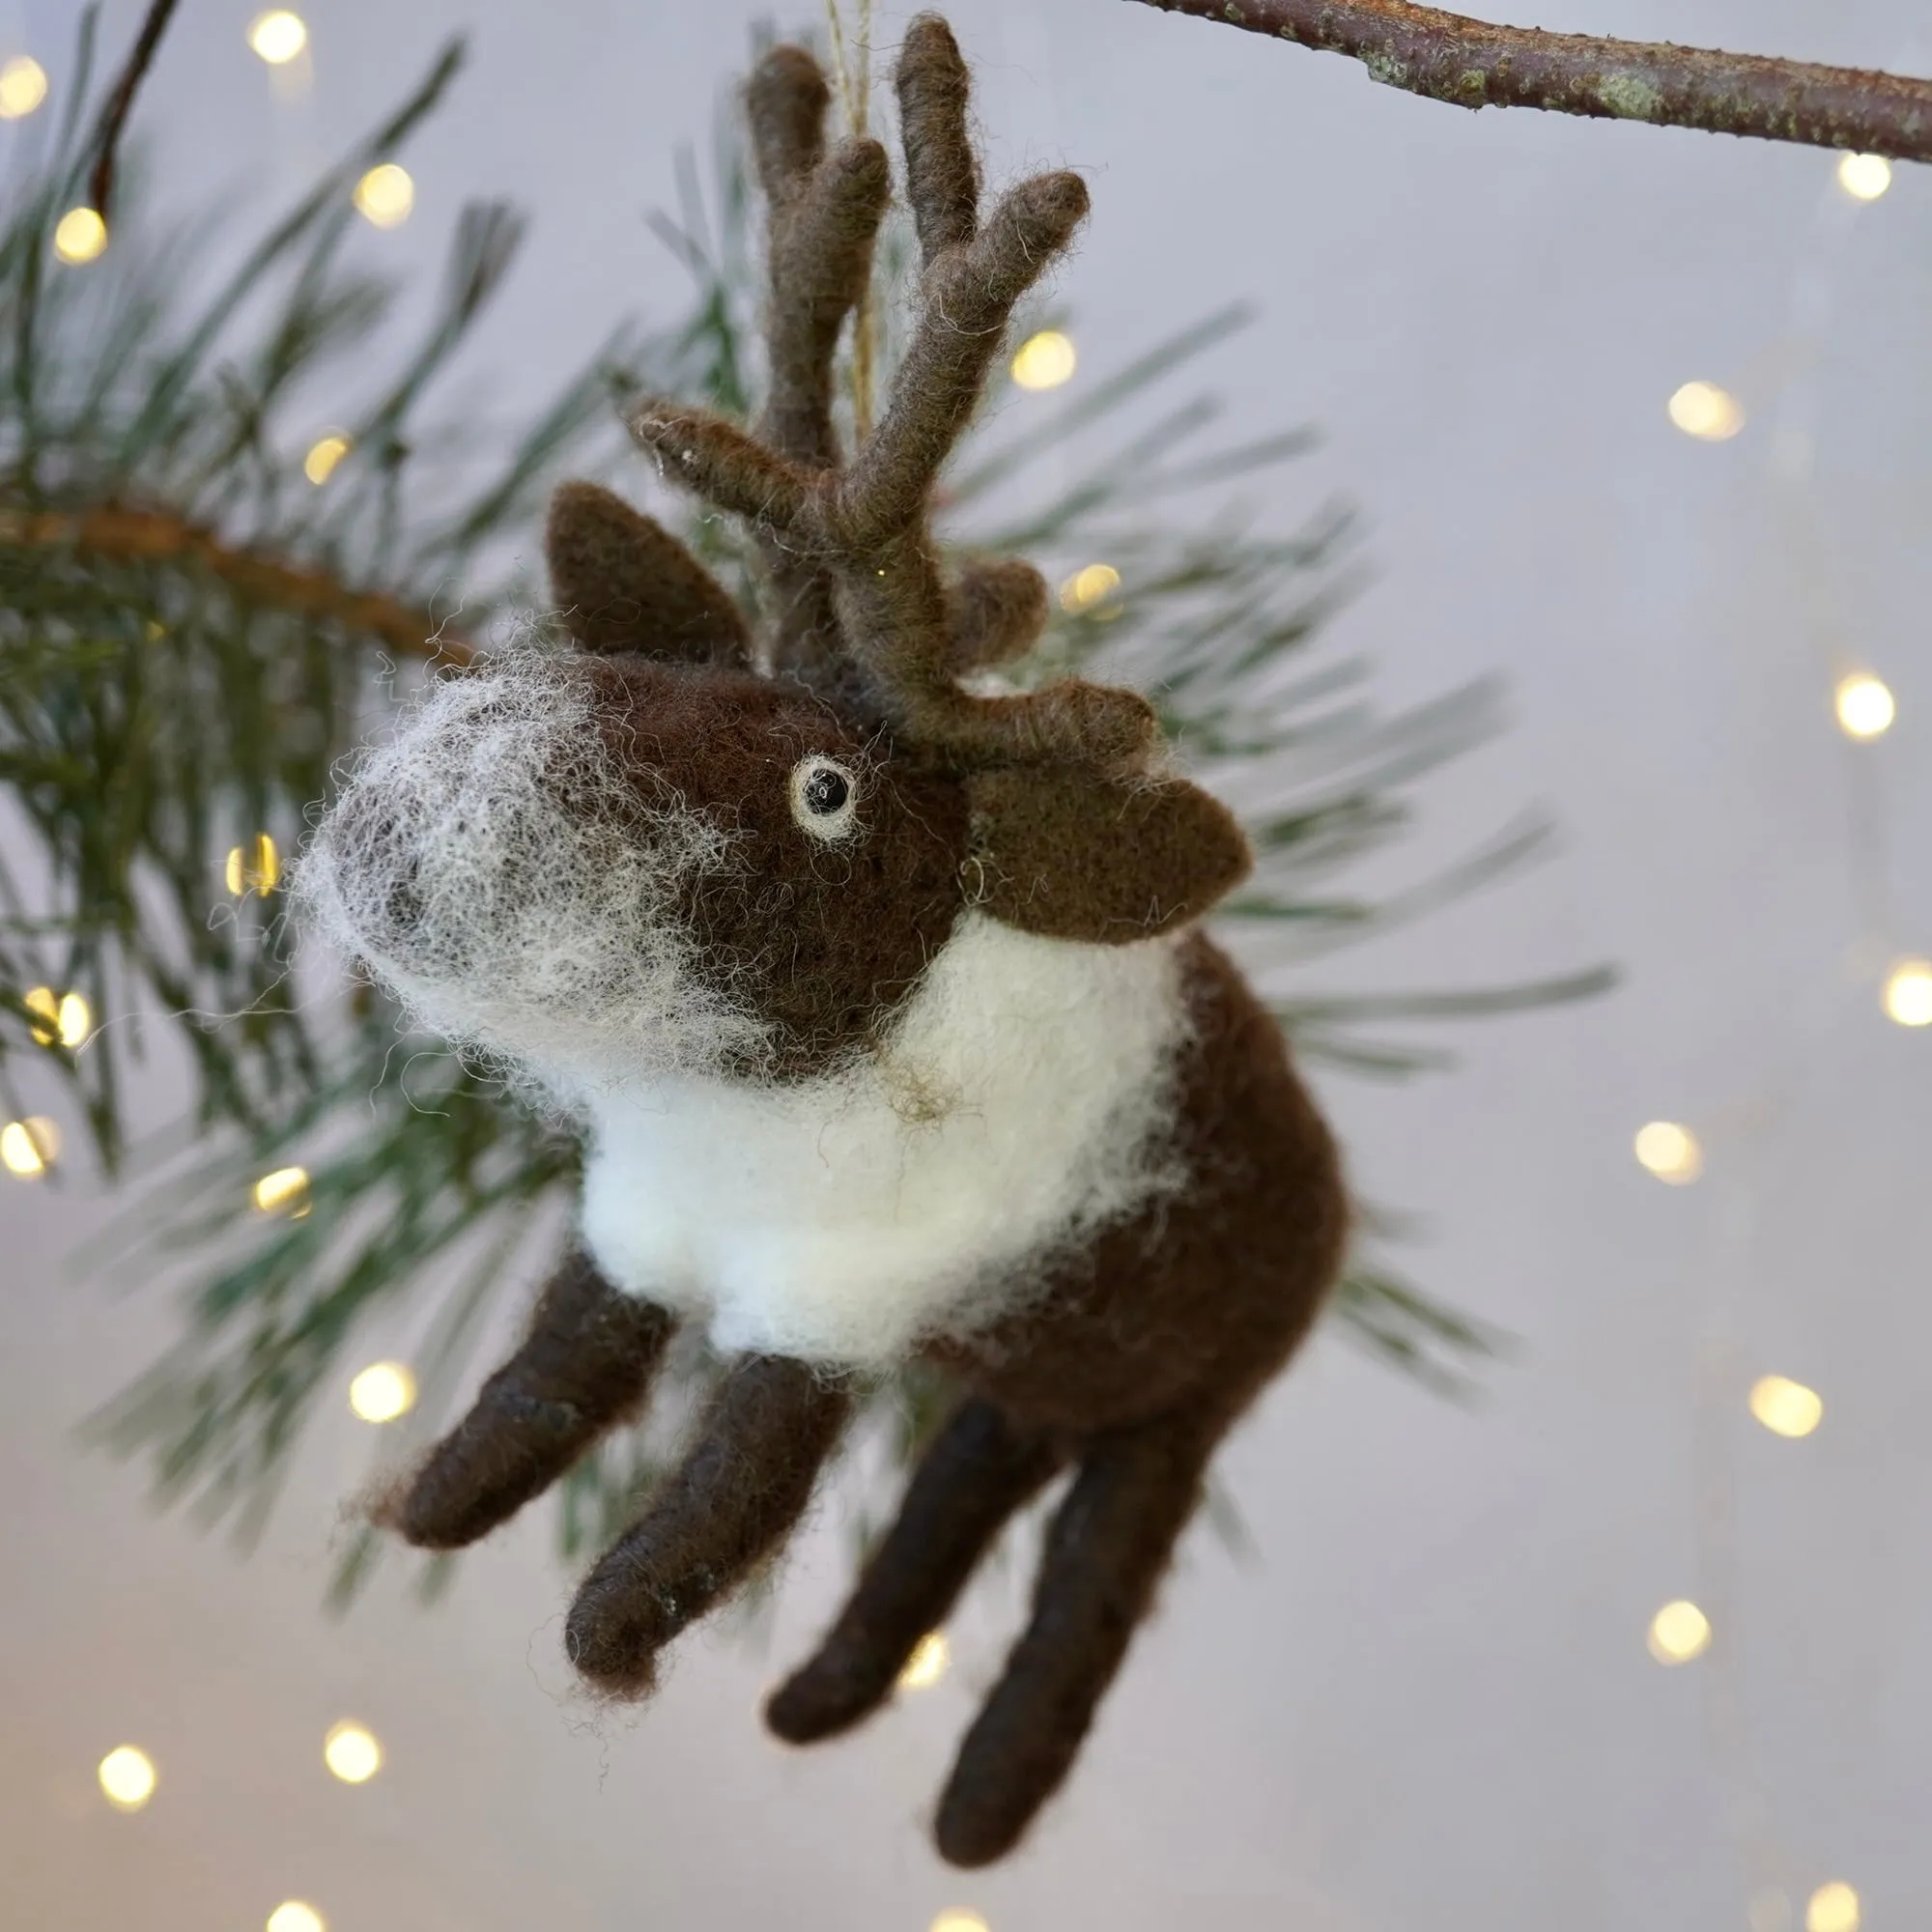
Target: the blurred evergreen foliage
(192, 632)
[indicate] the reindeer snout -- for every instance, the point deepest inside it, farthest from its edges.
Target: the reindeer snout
(367, 823)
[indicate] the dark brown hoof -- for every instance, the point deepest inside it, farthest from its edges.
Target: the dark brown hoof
(818, 1702)
(615, 1630)
(615, 1660)
(454, 1499)
(421, 1515)
(977, 1831)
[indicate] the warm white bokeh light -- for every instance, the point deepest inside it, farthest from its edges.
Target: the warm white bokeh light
(255, 867)
(79, 236)
(294, 1915)
(66, 1018)
(323, 454)
(927, 1664)
(1706, 412)
(44, 1003)
(1088, 587)
(1833, 1908)
(1677, 1632)
(352, 1753)
(29, 1147)
(1669, 1151)
(1865, 177)
(127, 1777)
(1908, 993)
(1864, 705)
(1044, 361)
(386, 194)
(958, 1920)
(23, 86)
(1786, 1407)
(277, 36)
(285, 1191)
(383, 1391)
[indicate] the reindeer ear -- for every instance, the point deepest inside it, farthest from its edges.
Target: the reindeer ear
(1072, 855)
(626, 584)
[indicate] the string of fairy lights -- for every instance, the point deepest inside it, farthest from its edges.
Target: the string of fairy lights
(1864, 709)
(381, 1392)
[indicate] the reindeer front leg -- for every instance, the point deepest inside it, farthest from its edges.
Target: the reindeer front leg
(739, 1490)
(586, 1364)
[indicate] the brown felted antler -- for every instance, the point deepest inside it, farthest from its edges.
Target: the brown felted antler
(824, 211)
(863, 528)
(996, 610)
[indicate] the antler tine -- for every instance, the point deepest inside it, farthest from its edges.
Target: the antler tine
(786, 99)
(969, 296)
(821, 260)
(824, 213)
(996, 610)
(942, 170)
(717, 460)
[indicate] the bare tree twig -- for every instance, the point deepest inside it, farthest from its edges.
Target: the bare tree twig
(114, 115)
(1473, 64)
(128, 536)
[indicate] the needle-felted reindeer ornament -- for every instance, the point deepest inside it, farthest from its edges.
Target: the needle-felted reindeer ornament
(879, 993)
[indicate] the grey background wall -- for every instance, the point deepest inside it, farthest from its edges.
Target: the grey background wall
(1427, 1698)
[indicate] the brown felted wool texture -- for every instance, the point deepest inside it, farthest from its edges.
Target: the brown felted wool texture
(1127, 1350)
(626, 584)
(823, 215)
(995, 610)
(823, 941)
(979, 1470)
(1135, 1357)
(1107, 1547)
(585, 1365)
(737, 1494)
(1201, 1300)
(861, 530)
(942, 170)
(1072, 856)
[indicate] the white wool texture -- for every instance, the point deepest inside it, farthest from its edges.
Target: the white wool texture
(1024, 1098)
(511, 885)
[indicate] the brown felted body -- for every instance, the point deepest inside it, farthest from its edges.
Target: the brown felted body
(1131, 1361)
(1199, 1300)
(870, 809)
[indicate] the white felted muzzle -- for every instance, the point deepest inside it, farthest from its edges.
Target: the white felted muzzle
(502, 875)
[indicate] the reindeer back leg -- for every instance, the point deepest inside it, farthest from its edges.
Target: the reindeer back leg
(1106, 1550)
(586, 1364)
(979, 1470)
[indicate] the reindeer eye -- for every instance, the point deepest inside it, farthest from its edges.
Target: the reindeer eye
(824, 797)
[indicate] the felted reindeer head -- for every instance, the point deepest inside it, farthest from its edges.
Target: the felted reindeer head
(682, 848)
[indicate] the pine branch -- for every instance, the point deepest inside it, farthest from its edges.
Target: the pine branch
(1473, 64)
(127, 537)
